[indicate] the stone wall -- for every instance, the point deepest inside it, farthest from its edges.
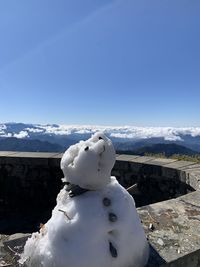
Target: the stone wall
(157, 179)
(29, 183)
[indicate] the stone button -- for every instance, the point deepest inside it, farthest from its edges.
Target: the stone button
(113, 250)
(106, 202)
(112, 217)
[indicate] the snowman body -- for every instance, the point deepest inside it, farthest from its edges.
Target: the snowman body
(99, 228)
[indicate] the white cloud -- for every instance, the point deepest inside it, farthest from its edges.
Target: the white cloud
(2, 127)
(2, 134)
(21, 134)
(34, 130)
(148, 132)
(124, 132)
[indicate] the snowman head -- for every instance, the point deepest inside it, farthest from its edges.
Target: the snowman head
(88, 164)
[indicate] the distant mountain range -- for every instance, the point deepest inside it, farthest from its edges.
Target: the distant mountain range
(165, 149)
(15, 144)
(138, 140)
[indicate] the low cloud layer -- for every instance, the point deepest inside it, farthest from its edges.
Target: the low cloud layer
(22, 134)
(123, 132)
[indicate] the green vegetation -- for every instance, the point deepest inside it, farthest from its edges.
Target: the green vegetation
(193, 158)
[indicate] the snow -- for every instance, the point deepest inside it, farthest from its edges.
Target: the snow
(85, 164)
(99, 228)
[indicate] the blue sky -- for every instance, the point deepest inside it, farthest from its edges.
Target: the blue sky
(108, 62)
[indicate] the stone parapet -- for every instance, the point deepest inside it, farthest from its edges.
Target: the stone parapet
(168, 197)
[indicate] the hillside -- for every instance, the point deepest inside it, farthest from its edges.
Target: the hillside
(16, 144)
(166, 149)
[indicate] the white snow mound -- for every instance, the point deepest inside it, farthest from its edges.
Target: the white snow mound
(89, 163)
(99, 228)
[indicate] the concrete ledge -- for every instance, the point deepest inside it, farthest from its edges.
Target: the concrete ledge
(30, 158)
(172, 228)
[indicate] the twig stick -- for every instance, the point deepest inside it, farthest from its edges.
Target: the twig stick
(15, 252)
(133, 190)
(65, 213)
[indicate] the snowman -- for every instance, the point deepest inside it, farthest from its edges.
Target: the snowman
(95, 222)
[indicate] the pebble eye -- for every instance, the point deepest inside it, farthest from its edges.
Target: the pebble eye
(100, 138)
(87, 148)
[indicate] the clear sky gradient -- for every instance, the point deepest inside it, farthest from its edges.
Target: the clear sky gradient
(105, 62)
